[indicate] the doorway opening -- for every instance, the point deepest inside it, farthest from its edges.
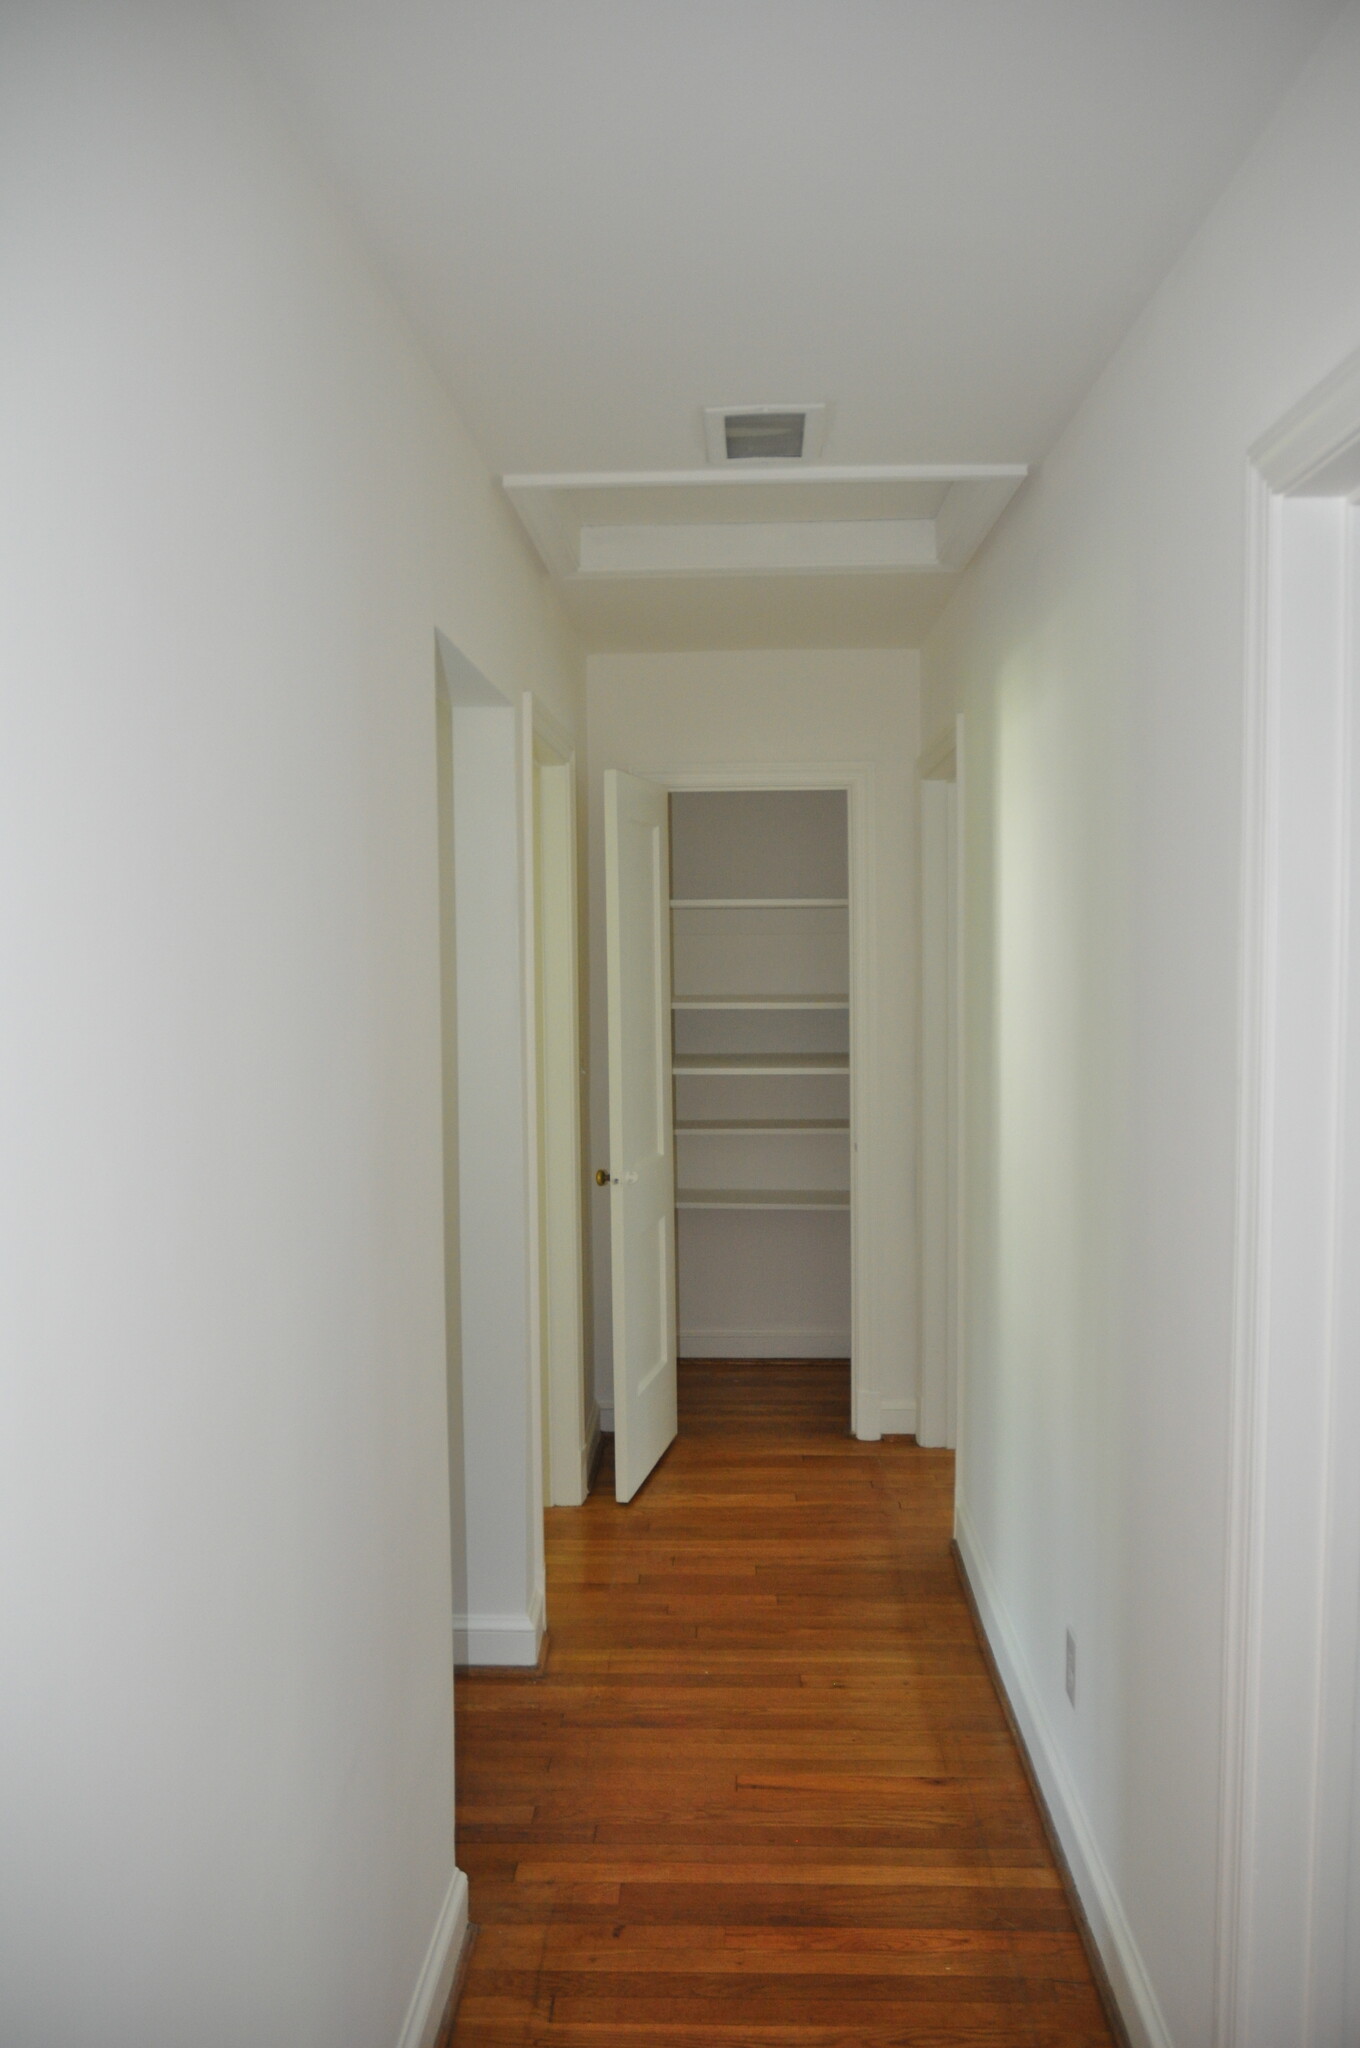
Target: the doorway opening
(825, 1025)
(496, 1518)
(761, 1064)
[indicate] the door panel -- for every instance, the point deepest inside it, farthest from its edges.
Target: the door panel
(641, 1144)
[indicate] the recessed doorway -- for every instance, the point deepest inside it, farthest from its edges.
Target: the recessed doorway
(760, 938)
(791, 1050)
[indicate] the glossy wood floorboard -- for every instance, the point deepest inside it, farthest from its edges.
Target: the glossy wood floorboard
(762, 1792)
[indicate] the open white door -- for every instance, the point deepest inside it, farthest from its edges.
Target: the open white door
(641, 1142)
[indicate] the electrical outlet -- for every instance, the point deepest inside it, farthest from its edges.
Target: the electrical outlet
(1071, 1667)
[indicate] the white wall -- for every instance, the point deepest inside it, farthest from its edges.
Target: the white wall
(235, 506)
(1097, 648)
(651, 713)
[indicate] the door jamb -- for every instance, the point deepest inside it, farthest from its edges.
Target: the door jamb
(564, 1435)
(943, 763)
(1313, 452)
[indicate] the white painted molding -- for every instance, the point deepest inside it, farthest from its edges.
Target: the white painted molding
(898, 1418)
(866, 1413)
(559, 744)
(464, 681)
(607, 1421)
(554, 1123)
(513, 1640)
(1246, 1429)
(937, 1113)
(1124, 1966)
(532, 1127)
(968, 514)
(741, 478)
(937, 762)
(866, 1135)
(793, 547)
(803, 1342)
(1276, 1952)
(540, 508)
(1314, 451)
(801, 520)
(425, 2013)
(959, 1334)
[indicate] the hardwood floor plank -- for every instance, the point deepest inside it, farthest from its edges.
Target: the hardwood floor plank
(762, 1794)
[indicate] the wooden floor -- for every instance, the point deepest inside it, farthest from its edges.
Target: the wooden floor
(763, 1792)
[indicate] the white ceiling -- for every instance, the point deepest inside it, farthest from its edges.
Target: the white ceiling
(938, 216)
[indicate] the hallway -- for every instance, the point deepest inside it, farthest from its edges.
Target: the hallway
(763, 1791)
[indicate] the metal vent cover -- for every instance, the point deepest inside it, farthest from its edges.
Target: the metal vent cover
(764, 436)
(764, 433)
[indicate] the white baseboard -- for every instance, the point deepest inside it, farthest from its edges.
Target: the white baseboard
(897, 1418)
(778, 1343)
(1124, 1966)
(510, 1639)
(606, 1422)
(425, 2013)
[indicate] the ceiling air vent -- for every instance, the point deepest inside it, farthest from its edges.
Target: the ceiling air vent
(764, 433)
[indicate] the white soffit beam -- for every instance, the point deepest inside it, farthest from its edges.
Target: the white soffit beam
(595, 526)
(787, 548)
(968, 514)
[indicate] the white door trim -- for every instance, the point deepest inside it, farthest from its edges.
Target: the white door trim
(938, 1121)
(565, 1430)
(856, 778)
(1291, 1603)
(960, 1334)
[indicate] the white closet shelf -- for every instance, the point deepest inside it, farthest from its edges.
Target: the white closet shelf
(758, 1127)
(761, 1063)
(760, 903)
(762, 1198)
(761, 1003)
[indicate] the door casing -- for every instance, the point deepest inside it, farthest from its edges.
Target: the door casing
(1288, 1961)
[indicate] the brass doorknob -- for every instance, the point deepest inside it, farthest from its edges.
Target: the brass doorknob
(602, 1177)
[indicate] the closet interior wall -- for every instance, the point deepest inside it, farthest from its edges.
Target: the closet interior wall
(760, 984)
